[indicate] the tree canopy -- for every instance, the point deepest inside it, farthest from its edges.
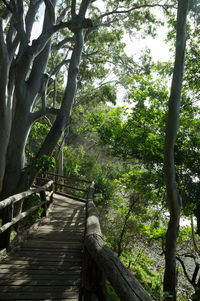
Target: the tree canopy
(58, 106)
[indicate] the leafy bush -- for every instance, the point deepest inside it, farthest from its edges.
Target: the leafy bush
(32, 201)
(142, 267)
(42, 164)
(111, 295)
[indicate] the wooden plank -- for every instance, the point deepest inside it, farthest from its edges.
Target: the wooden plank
(30, 288)
(51, 243)
(59, 262)
(73, 215)
(75, 257)
(72, 187)
(45, 257)
(43, 282)
(32, 277)
(77, 198)
(17, 272)
(52, 295)
(52, 251)
(42, 295)
(64, 229)
(47, 253)
(59, 197)
(59, 236)
(48, 267)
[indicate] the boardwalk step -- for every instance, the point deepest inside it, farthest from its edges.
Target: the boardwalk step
(44, 295)
(17, 272)
(43, 282)
(48, 265)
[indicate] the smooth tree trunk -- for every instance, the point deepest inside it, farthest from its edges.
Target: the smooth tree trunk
(173, 196)
(22, 78)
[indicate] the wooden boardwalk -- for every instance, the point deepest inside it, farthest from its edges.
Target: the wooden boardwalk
(47, 266)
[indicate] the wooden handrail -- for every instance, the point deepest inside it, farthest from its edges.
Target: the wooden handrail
(9, 203)
(68, 177)
(20, 216)
(122, 280)
(62, 184)
(72, 187)
(18, 197)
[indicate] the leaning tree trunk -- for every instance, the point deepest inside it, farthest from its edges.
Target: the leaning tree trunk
(173, 197)
(27, 79)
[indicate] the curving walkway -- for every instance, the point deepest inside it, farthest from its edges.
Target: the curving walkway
(47, 266)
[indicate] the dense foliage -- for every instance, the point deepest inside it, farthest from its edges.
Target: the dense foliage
(78, 129)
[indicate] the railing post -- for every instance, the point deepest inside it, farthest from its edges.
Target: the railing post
(5, 236)
(93, 277)
(93, 280)
(43, 199)
(91, 191)
(51, 192)
(56, 182)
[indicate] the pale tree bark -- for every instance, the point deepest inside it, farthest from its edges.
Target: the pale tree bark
(24, 93)
(5, 106)
(173, 196)
(22, 68)
(22, 73)
(60, 158)
(27, 74)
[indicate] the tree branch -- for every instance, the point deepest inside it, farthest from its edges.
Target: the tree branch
(73, 9)
(184, 269)
(30, 16)
(48, 111)
(4, 65)
(19, 25)
(73, 25)
(193, 238)
(7, 6)
(63, 13)
(59, 66)
(60, 45)
(50, 10)
(83, 7)
(195, 273)
(135, 7)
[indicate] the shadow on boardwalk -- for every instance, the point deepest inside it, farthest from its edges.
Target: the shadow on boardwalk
(47, 266)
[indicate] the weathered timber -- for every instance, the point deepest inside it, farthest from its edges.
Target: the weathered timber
(93, 276)
(71, 187)
(8, 207)
(69, 178)
(48, 265)
(122, 280)
(18, 218)
(18, 197)
(91, 191)
(74, 197)
(92, 224)
(124, 283)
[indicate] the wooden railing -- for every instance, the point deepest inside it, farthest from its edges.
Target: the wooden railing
(9, 205)
(99, 260)
(72, 186)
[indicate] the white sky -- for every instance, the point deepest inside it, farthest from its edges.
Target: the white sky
(134, 46)
(159, 49)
